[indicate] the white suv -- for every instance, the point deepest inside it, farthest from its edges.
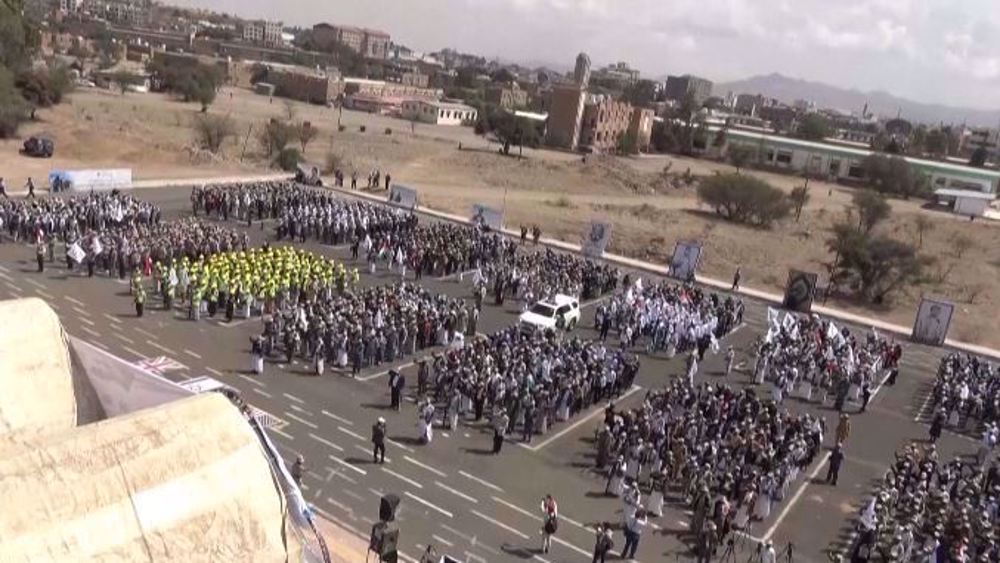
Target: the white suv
(562, 312)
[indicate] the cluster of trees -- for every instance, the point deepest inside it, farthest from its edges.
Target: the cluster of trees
(192, 82)
(745, 199)
(867, 262)
(892, 175)
(22, 86)
(508, 129)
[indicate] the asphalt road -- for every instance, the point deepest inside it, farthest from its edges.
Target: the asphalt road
(468, 503)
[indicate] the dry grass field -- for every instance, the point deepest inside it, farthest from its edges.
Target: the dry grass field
(559, 191)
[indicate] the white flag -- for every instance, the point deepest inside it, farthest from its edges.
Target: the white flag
(788, 322)
(772, 317)
(97, 248)
(76, 253)
(832, 332)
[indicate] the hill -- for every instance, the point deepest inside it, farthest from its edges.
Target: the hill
(881, 103)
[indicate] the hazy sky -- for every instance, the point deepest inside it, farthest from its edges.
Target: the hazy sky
(945, 51)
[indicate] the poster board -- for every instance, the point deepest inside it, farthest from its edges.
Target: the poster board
(800, 290)
(94, 180)
(596, 238)
(932, 322)
(403, 196)
(685, 260)
(483, 215)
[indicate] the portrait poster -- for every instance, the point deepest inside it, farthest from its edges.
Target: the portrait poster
(685, 261)
(933, 320)
(596, 238)
(403, 196)
(800, 290)
(486, 216)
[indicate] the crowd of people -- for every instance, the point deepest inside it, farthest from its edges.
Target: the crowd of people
(926, 509)
(363, 328)
(666, 317)
(730, 454)
(966, 392)
(70, 218)
(812, 358)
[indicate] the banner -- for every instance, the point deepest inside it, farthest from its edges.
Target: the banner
(483, 215)
(596, 238)
(933, 321)
(800, 291)
(76, 253)
(94, 180)
(684, 263)
(403, 196)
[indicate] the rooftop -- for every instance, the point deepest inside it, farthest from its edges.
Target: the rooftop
(969, 194)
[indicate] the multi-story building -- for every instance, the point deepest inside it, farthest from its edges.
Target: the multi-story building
(133, 13)
(751, 104)
(640, 126)
(680, 87)
(565, 107)
(507, 95)
(69, 6)
(607, 123)
(984, 138)
(369, 43)
(263, 32)
(619, 74)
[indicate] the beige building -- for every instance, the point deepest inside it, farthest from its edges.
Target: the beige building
(369, 43)
(263, 32)
(566, 105)
(132, 13)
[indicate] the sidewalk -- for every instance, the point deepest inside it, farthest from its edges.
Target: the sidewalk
(345, 546)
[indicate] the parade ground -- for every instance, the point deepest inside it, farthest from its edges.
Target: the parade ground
(455, 494)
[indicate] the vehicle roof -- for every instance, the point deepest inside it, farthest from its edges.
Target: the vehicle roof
(558, 301)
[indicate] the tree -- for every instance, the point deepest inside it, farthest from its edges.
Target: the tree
(799, 197)
(744, 199)
(871, 207)
(813, 127)
(19, 36)
(508, 129)
(289, 109)
(14, 110)
(893, 175)
(740, 155)
(212, 131)
(503, 76)
(936, 143)
(640, 93)
(288, 159)
(978, 158)
(628, 144)
(874, 266)
(275, 137)
(664, 137)
(923, 225)
(305, 133)
(918, 141)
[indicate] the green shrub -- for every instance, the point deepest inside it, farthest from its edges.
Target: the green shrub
(288, 159)
(744, 199)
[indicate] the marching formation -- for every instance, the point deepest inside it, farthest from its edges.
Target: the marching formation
(69, 218)
(967, 391)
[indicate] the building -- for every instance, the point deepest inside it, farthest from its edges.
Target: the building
(981, 138)
(301, 83)
(965, 202)
(640, 127)
(836, 162)
(369, 43)
(581, 72)
(132, 13)
(438, 113)
(507, 96)
(565, 108)
(608, 123)
(263, 32)
(752, 104)
(680, 87)
(69, 6)
(619, 74)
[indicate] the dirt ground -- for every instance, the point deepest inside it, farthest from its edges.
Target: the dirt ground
(558, 191)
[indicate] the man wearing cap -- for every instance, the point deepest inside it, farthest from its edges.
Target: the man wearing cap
(836, 458)
(378, 440)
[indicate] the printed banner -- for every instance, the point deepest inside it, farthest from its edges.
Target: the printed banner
(596, 238)
(933, 321)
(95, 180)
(403, 196)
(684, 263)
(483, 215)
(800, 290)
(76, 253)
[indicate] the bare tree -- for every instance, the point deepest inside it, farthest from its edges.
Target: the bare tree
(799, 198)
(306, 133)
(211, 131)
(924, 225)
(289, 110)
(960, 244)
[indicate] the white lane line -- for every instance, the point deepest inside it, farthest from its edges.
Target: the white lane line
(429, 504)
(45, 294)
(400, 446)
(357, 470)
(337, 418)
(441, 540)
(297, 408)
(70, 299)
(345, 477)
(4, 269)
(458, 494)
(42, 286)
(93, 333)
(325, 442)
(403, 478)
(791, 502)
(81, 311)
(248, 379)
(262, 392)
(516, 508)
(214, 371)
(159, 347)
(111, 318)
(486, 484)
(361, 448)
(382, 373)
(123, 338)
(100, 345)
(500, 524)
(376, 492)
(294, 398)
(146, 332)
(280, 433)
(353, 495)
(340, 505)
(352, 434)
(192, 354)
(8, 278)
(127, 349)
(301, 420)
(575, 425)
(87, 322)
(424, 466)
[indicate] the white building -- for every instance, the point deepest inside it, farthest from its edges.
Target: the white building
(965, 202)
(438, 113)
(263, 32)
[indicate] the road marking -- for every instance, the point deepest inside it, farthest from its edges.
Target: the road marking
(262, 392)
(159, 347)
(340, 505)
(248, 379)
(146, 332)
(111, 318)
(500, 524)
(427, 467)
(301, 420)
(458, 494)
(376, 492)
(81, 311)
(192, 354)
(441, 540)
(294, 398)
(382, 373)
(353, 495)
(358, 470)
(575, 425)
(280, 433)
(400, 446)
(802, 488)
(352, 434)
(325, 442)
(429, 504)
(93, 333)
(361, 448)
(44, 294)
(516, 508)
(403, 478)
(480, 481)
(87, 322)
(337, 418)
(124, 338)
(127, 349)
(4, 269)
(42, 286)
(70, 299)
(297, 408)
(100, 345)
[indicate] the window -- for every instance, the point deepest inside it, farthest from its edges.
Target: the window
(834, 168)
(769, 155)
(784, 157)
(855, 171)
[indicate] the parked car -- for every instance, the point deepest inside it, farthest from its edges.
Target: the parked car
(562, 312)
(39, 147)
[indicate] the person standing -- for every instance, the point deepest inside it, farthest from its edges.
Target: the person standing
(603, 542)
(499, 431)
(378, 441)
(396, 384)
(257, 354)
(3, 189)
(140, 300)
(836, 458)
(730, 358)
(866, 395)
(388, 179)
(550, 521)
(298, 469)
(31, 188)
(736, 279)
(634, 527)
(843, 428)
(692, 367)
(40, 255)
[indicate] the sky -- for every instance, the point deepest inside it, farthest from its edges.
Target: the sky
(939, 51)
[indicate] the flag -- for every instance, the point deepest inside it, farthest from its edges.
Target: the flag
(97, 247)
(76, 253)
(831, 331)
(772, 317)
(788, 322)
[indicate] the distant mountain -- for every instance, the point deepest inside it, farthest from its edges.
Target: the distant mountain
(880, 103)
